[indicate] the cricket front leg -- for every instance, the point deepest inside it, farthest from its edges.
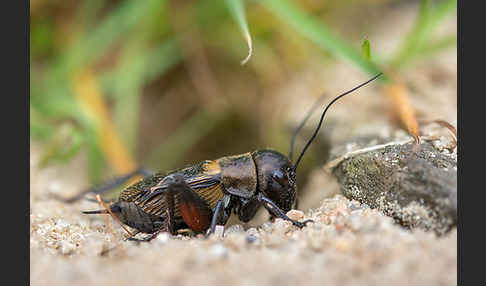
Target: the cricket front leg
(274, 210)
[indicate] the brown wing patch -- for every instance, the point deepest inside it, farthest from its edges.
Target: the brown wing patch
(211, 194)
(130, 194)
(158, 206)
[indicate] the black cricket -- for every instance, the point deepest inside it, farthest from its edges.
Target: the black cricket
(204, 195)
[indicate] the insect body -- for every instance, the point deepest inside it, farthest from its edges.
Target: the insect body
(204, 195)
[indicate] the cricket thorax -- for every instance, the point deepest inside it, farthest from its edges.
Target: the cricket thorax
(238, 175)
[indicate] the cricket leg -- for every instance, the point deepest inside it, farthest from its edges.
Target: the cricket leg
(195, 211)
(274, 210)
(218, 211)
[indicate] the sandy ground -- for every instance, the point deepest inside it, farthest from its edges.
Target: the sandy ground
(349, 244)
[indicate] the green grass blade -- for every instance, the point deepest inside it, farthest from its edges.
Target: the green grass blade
(128, 87)
(96, 42)
(442, 10)
(66, 143)
(436, 46)
(319, 33)
(366, 49)
(428, 18)
(52, 96)
(139, 66)
(96, 158)
(40, 128)
(155, 63)
(414, 37)
(238, 12)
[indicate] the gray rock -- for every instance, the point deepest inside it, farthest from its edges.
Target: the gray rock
(414, 184)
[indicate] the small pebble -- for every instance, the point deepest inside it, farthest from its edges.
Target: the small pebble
(67, 247)
(251, 238)
(234, 229)
(218, 251)
(252, 231)
(267, 226)
(219, 231)
(295, 214)
(354, 206)
(235, 241)
(163, 237)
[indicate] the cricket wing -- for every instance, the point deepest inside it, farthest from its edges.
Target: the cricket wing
(204, 178)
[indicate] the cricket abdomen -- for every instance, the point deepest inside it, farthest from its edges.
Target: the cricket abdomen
(134, 216)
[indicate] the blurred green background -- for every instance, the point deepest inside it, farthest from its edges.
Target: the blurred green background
(161, 84)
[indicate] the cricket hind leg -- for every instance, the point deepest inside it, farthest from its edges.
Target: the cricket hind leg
(195, 211)
(106, 186)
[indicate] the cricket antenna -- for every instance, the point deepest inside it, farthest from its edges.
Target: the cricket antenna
(322, 118)
(296, 131)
